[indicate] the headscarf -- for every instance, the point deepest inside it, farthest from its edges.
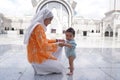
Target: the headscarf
(38, 18)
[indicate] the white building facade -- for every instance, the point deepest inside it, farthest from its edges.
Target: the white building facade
(86, 27)
(5, 23)
(111, 22)
(64, 17)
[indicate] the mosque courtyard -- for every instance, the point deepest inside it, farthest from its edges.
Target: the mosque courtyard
(97, 59)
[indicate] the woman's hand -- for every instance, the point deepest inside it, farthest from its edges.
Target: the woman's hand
(61, 44)
(60, 40)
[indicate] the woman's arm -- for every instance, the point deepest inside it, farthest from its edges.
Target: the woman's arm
(42, 41)
(52, 41)
(55, 40)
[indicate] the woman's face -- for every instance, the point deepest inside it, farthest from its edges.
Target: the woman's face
(47, 21)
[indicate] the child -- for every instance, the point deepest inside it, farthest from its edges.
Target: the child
(70, 46)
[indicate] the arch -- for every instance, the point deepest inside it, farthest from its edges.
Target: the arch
(108, 31)
(41, 4)
(111, 34)
(92, 31)
(106, 34)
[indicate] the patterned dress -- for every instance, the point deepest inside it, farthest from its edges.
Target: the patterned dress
(39, 48)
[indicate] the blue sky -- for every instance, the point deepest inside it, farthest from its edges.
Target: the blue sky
(87, 8)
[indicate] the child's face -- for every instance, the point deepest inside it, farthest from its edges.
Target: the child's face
(69, 36)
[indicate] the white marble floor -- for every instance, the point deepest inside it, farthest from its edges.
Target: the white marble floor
(97, 59)
(90, 64)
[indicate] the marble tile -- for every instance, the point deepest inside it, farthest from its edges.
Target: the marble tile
(90, 64)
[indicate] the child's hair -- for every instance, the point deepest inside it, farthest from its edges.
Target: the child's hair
(71, 30)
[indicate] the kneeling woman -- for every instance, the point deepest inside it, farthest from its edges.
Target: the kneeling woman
(42, 53)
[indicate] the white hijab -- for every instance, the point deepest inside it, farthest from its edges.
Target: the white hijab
(39, 18)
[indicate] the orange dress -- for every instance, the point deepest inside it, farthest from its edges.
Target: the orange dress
(39, 48)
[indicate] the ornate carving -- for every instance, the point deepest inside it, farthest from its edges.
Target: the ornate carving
(34, 2)
(72, 3)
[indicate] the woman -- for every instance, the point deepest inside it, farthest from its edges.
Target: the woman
(43, 54)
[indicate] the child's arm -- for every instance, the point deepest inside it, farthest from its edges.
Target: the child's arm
(67, 45)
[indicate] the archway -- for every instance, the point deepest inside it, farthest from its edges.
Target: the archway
(108, 31)
(111, 34)
(62, 14)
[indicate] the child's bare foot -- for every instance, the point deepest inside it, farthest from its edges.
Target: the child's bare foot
(70, 73)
